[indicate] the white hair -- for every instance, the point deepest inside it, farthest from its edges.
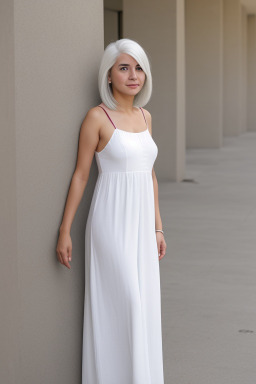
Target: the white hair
(110, 55)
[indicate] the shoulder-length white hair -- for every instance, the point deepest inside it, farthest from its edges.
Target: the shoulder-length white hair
(110, 55)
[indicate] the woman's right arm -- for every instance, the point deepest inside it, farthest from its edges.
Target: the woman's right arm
(88, 141)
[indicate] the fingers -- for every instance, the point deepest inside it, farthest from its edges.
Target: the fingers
(161, 249)
(59, 257)
(66, 263)
(64, 259)
(69, 253)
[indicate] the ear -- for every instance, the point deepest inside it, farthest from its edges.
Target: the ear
(109, 75)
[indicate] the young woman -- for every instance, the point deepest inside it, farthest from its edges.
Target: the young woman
(124, 239)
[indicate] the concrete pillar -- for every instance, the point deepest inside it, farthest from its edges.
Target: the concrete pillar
(244, 54)
(204, 73)
(159, 28)
(232, 68)
(49, 58)
(251, 77)
(244, 69)
(9, 279)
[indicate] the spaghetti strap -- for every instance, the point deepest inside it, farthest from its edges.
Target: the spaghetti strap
(107, 115)
(144, 116)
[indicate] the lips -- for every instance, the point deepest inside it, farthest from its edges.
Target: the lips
(133, 85)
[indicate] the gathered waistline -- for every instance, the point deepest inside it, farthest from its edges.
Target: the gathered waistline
(147, 171)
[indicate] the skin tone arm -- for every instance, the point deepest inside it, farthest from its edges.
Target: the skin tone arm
(88, 141)
(161, 244)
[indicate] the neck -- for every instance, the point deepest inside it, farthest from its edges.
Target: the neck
(125, 103)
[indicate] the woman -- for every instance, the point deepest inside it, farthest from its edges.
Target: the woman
(124, 240)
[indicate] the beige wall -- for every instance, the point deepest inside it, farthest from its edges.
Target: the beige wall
(204, 73)
(251, 84)
(50, 52)
(159, 28)
(10, 274)
(243, 69)
(232, 64)
(181, 95)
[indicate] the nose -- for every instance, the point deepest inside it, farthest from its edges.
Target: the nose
(133, 74)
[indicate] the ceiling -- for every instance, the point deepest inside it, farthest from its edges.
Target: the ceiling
(250, 5)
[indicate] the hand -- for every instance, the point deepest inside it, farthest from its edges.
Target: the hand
(64, 249)
(161, 244)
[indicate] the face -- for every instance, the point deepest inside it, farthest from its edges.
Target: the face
(126, 72)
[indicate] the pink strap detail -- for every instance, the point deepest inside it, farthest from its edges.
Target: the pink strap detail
(112, 121)
(144, 116)
(107, 115)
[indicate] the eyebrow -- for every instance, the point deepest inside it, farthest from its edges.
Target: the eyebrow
(128, 65)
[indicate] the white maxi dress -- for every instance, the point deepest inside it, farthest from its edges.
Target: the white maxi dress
(122, 333)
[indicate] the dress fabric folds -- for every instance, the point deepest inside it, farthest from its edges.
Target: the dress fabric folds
(122, 334)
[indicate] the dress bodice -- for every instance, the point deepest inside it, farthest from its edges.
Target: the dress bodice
(127, 152)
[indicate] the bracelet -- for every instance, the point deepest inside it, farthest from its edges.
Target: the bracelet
(159, 230)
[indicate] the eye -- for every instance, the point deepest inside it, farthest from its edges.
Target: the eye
(139, 68)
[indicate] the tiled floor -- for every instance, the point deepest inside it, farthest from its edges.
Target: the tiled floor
(208, 276)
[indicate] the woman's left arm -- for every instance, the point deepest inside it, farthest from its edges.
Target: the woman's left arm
(161, 244)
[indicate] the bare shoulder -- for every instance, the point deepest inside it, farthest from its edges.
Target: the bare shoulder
(90, 129)
(92, 122)
(93, 116)
(147, 113)
(149, 119)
